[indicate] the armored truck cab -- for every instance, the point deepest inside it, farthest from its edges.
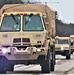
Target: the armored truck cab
(62, 46)
(26, 38)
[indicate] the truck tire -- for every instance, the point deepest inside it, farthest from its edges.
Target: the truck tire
(71, 51)
(46, 63)
(54, 55)
(68, 55)
(52, 65)
(46, 67)
(10, 67)
(3, 68)
(53, 58)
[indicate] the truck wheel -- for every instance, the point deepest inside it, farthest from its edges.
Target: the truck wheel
(53, 55)
(3, 68)
(46, 63)
(53, 59)
(71, 51)
(10, 67)
(46, 66)
(52, 65)
(68, 55)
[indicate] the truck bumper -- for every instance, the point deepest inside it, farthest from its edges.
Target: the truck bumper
(62, 52)
(30, 53)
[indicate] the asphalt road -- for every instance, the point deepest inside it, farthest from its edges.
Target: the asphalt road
(63, 67)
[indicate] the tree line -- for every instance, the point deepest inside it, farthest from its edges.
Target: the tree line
(2, 2)
(64, 29)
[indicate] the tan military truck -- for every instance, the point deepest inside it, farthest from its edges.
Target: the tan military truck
(27, 34)
(0, 15)
(62, 46)
(72, 43)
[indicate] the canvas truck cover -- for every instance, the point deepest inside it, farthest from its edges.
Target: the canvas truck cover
(0, 15)
(34, 8)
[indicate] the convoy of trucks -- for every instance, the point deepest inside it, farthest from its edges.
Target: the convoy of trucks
(28, 36)
(62, 46)
(27, 33)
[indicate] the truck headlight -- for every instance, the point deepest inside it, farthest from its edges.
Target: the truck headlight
(38, 50)
(62, 48)
(4, 50)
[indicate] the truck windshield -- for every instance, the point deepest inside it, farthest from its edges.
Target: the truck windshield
(9, 23)
(32, 23)
(63, 42)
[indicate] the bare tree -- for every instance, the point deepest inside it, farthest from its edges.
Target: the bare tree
(2, 2)
(31, 1)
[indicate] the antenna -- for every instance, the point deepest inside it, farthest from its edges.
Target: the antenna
(46, 5)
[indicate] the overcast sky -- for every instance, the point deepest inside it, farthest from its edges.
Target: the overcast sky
(65, 9)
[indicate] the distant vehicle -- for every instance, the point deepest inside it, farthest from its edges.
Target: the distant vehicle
(72, 43)
(27, 34)
(62, 46)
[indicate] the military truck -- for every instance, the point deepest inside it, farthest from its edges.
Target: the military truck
(72, 43)
(62, 46)
(27, 34)
(0, 15)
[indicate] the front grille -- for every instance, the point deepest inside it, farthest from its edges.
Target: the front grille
(21, 41)
(25, 40)
(16, 44)
(16, 40)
